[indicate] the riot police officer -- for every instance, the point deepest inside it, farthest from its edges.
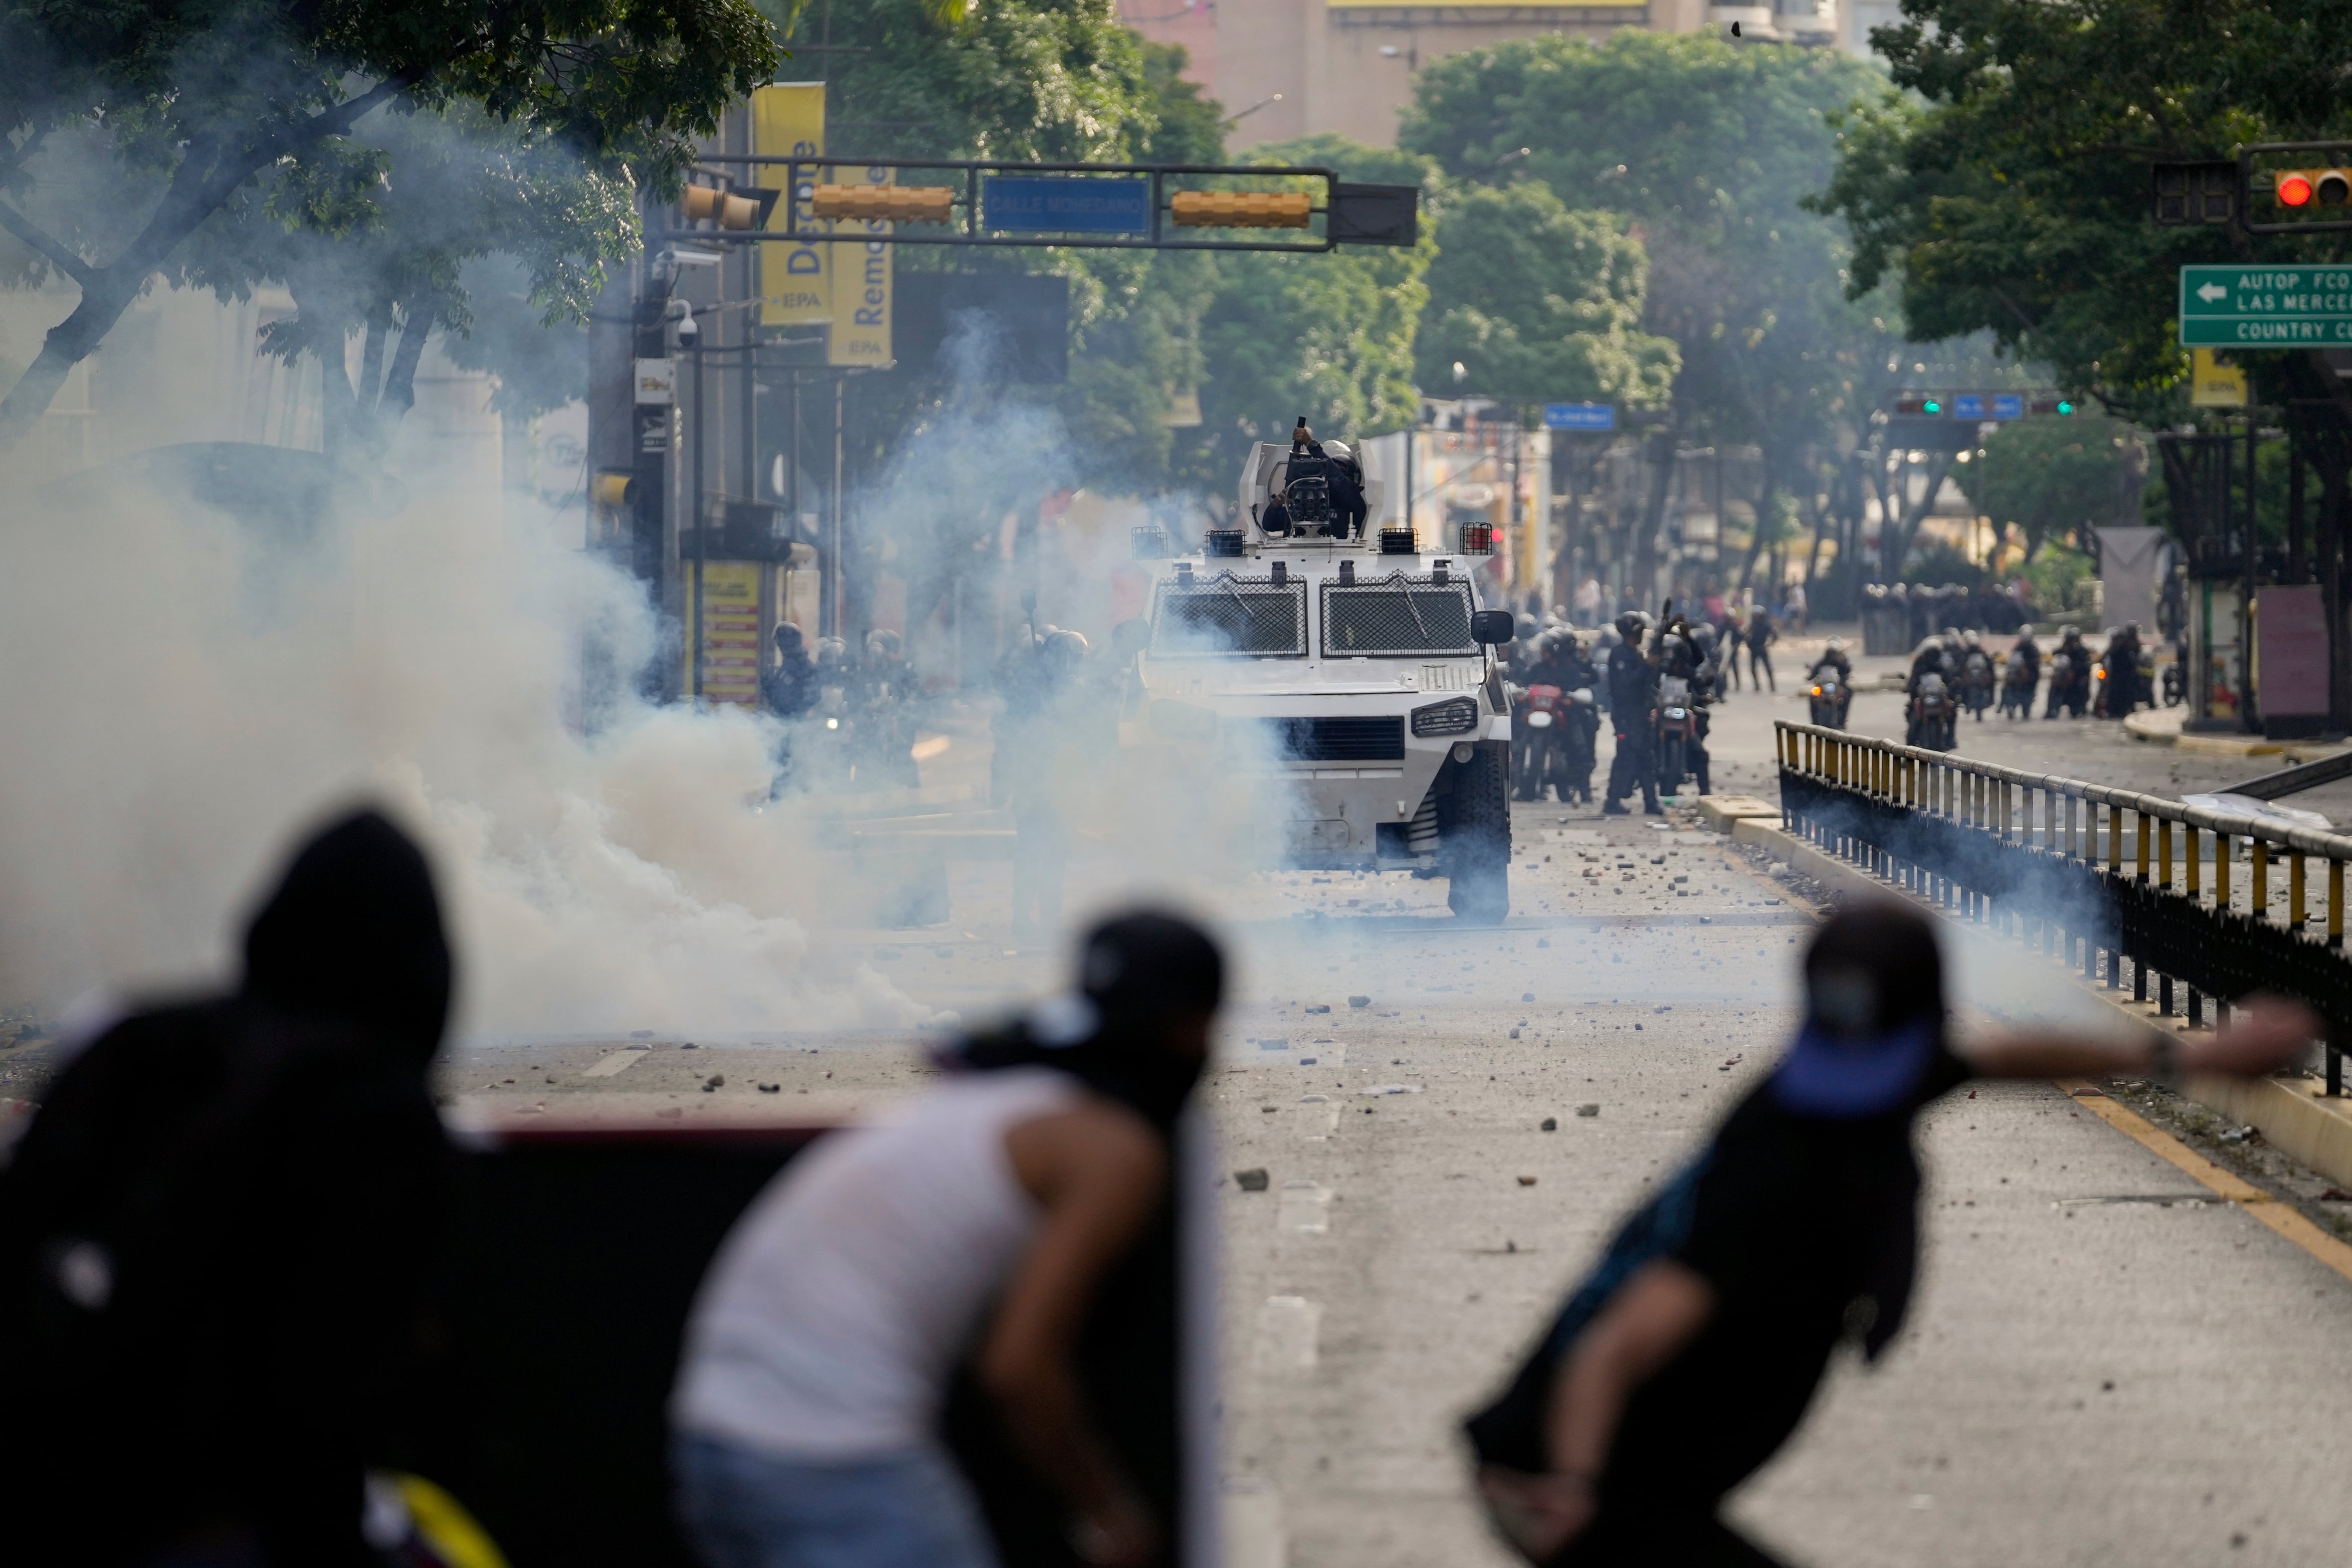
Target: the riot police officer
(1632, 708)
(789, 688)
(880, 689)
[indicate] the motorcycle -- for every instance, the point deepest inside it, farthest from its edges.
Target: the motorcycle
(1553, 730)
(2017, 690)
(1934, 720)
(1976, 682)
(2069, 683)
(1829, 697)
(1679, 737)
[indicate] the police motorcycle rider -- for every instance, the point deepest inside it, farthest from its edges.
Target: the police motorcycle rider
(1632, 681)
(788, 690)
(2024, 674)
(1836, 698)
(1686, 658)
(1560, 753)
(1931, 673)
(2070, 675)
(1976, 682)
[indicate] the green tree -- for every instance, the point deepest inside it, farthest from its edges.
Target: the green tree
(2007, 189)
(1537, 302)
(1329, 336)
(2049, 477)
(193, 103)
(1713, 148)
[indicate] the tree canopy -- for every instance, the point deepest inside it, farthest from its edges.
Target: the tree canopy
(2049, 477)
(2005, 187)
(196, 106)
(1710, 149)
(1538, 303)
(1329, 336)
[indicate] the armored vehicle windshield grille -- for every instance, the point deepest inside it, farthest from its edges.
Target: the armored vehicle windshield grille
(1229, 614)
(1368, 739)
(1396, 617)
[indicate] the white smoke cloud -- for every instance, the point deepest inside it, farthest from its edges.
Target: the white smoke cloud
(183, 693)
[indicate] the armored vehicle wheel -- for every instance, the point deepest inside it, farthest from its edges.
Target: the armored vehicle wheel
(1475, 837)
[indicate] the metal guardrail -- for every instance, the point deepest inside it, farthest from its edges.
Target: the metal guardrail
(2093, 876)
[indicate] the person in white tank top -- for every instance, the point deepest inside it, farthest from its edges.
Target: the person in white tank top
(819, 1352)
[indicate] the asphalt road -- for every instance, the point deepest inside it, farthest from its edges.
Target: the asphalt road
(2101, 1366)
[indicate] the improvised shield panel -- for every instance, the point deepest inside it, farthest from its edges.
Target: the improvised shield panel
(575, 1264)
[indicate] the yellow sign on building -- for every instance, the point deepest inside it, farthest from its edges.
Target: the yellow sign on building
(2213, 383)
(788, 121)
(730, 643)
(862, 285)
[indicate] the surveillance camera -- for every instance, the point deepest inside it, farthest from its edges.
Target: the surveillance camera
(688, 333)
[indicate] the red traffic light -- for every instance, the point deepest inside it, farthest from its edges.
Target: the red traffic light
(2308, 187)
(2295, 189)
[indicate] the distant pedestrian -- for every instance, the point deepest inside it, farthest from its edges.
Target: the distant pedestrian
(1758, 634)
(1693, 1348)
(1795, 612)
(977, 1221)
(1588, 603)
(218, 1240)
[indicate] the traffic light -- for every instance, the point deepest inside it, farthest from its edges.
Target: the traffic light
(2312, 187)
(885, 204)
(2050, 403)
(1920, 404)
(2205, 192)
(1240, 209)
(746, 206)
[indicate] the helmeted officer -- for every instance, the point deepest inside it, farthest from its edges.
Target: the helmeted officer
(1632, 704)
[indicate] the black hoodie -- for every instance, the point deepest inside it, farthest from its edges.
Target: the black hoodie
(219, 1235)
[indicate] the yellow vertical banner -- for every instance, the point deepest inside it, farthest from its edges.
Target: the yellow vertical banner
(730, 632)
(788, 121)
(862, 283)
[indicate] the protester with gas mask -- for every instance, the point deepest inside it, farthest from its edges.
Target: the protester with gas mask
(985, 1213)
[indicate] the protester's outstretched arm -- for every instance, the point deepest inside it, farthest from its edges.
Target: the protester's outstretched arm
(2266, 1034)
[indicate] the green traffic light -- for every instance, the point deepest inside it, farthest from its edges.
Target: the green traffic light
(2064, 406)
(1932, 406)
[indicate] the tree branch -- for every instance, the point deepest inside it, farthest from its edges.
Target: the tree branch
(32, 234)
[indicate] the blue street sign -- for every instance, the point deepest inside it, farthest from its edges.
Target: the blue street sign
(1968, 406)
(2009, 406)
(1059, 203)
(1579, 416)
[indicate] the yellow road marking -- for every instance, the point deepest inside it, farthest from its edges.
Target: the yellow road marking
(2261, 1206)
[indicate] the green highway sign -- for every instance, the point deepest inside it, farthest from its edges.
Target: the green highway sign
(2265, 307)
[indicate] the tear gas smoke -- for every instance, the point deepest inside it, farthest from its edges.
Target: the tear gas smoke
(184, 690)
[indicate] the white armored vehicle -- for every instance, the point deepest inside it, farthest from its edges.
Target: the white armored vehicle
(1347, 673)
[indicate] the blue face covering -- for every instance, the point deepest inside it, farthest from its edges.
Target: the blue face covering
(1851, 1077)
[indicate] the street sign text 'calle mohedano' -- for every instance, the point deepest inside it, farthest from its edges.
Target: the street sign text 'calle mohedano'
(2265, 307)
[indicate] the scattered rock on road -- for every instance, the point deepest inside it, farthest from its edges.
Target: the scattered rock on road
(1252, 1180)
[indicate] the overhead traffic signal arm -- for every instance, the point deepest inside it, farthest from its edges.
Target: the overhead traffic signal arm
(1116, 206)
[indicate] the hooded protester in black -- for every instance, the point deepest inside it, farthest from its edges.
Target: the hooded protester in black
(219, 1235)
(1137, 973)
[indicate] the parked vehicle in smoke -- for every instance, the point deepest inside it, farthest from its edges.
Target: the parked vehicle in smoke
(1829, 697)
(1934, 718)
(1350, 680)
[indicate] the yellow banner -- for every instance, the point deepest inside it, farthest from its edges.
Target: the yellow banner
(730, 631)
(2213, 384)
(862, 285)
(788, 121)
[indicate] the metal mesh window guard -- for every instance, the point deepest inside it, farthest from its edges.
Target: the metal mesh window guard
(1230, 615)
(1396, 617)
